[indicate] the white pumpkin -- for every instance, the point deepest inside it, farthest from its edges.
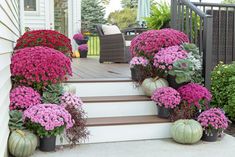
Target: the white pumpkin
(149, 85)
(70, 88)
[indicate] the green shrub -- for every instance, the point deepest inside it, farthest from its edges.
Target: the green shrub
(160, 16)
(223, 88)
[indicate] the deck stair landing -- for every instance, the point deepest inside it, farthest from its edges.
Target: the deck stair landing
(117, 110)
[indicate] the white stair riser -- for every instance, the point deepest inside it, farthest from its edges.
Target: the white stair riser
(106, 89)
(116, 133)
(120, 109)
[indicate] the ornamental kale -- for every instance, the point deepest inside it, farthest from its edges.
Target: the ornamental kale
(40, 66)
(150, 42)
(78, 36)
(23, 97)
(47, 119)
(47, 38)
(166, 97)
(213, 118)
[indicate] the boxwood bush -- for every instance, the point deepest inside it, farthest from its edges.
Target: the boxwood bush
(223, 88)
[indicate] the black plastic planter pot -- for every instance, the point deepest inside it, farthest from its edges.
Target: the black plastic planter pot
(80, 42)
(210, 137)
(83, 54)
(173, 83)
(163, 112)
(137, 73)
(47, 144)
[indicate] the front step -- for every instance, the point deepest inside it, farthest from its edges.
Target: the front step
(118, 106)
(91, 88)
(113, 129)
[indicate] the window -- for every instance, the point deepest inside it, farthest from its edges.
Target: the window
(31, 6)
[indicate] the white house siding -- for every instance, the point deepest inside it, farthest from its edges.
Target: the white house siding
(9, 32)
(37, 21)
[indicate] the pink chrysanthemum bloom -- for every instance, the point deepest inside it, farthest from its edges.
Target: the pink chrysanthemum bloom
(165, 58)
(150, 42)
(49, 116)
(139, 61)
(39, 66)
(213, 118)
(166, 97)
(195, 94)
(23, 97)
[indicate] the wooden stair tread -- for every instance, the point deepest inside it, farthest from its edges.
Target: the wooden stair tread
(115, 98)
(99, 80)
(125, 120)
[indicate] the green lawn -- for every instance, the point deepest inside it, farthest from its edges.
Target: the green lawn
(93, 46)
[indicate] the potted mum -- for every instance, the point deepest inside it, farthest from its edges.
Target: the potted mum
(47, 121)
(213, 122)
(83, 49)
(196, 97)
(137, 67)
(80, 38)
(23, 97)
(166, 98)
(165, 59)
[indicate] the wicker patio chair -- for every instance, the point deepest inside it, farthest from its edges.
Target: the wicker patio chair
(115, 47)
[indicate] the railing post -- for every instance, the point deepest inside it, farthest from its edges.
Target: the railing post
(174, 14)
(207, 49)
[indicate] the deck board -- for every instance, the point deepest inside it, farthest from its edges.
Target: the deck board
(90, 68)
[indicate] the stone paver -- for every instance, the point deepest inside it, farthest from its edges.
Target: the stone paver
(149, 148)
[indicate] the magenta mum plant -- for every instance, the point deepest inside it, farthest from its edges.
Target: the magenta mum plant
(213, 118)
(166, 97)
(78, 36)
(23, 97)
(40, 66)
(165, 58)
(150, 42)
(47, 119)
(195, 95)
(83, 48)
(139, 61)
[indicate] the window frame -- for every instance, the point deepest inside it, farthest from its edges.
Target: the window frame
(37, 12)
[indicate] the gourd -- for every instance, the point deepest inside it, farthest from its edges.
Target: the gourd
(186, 131)
(22, 143)
(149, 85)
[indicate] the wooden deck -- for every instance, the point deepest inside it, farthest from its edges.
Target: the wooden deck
(90, 69)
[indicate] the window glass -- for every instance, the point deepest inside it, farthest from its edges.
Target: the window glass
(30, 5)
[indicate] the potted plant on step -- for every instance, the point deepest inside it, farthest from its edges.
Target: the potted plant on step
(166, 98)
(138, 67)
(47, 121)
(213, 122)
(83, 49)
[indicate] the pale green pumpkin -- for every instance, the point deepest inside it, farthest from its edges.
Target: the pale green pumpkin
(149, 85)
(186, 131)
(22, 143)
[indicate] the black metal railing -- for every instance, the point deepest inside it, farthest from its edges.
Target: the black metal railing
(93, 45)
(198, 25)
(223, 36)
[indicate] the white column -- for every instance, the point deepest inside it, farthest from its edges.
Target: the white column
(21, 12)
